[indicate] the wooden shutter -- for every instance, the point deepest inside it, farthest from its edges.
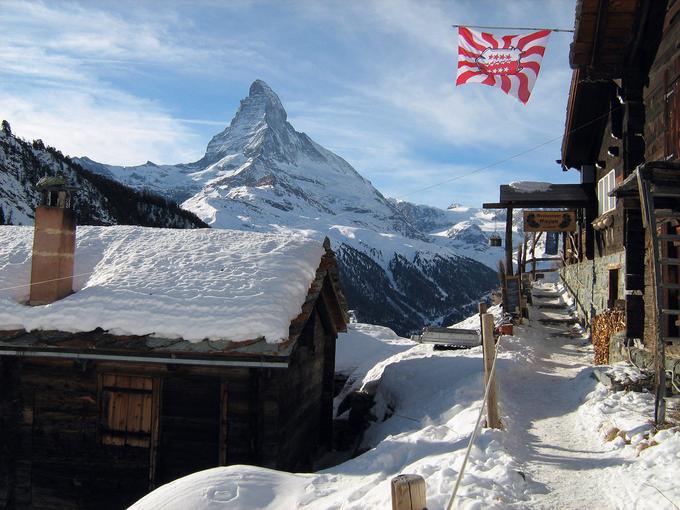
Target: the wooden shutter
(127, 410)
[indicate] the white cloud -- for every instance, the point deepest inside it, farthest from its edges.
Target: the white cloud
(109, 127)
(375, 84)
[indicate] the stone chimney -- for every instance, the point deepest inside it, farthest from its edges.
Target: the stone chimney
(54, 243)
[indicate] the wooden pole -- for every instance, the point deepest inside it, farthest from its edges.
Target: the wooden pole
(482, 311)
(520, 261)
(508, 242)
(524, 252)
(492, 419)
(409, 493)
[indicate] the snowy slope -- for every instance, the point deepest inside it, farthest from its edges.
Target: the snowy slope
(192, 284)
(260, 174)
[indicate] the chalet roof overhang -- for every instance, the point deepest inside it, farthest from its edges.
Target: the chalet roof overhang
(605, 35)
(556, 196)
(613, 40)
(587, 116)
(101, 345)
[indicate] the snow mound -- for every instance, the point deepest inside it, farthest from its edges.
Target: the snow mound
(530, 186)
(191, 284)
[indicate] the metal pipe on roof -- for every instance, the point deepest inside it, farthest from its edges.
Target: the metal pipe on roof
(143, 359)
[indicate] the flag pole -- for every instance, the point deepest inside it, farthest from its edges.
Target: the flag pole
(514, 28)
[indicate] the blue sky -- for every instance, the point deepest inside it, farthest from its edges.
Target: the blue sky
(125, 82)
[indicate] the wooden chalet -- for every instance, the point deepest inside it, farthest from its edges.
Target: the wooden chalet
(97, 418)
(622, 111)
(622, 135)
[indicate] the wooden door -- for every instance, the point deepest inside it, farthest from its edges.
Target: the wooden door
(190, 426)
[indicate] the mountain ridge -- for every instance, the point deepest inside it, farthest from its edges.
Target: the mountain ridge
(99, 200)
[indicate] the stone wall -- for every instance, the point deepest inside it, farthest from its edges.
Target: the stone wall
(588, 283)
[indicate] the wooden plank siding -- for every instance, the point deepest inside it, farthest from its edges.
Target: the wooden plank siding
(53, 453)
(662, 135)
(308, 425)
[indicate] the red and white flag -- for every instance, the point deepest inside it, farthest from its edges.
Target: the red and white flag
(511, 62)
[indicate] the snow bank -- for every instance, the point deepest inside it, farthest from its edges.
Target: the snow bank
(364, 345)
(193, 284)
(623, 420)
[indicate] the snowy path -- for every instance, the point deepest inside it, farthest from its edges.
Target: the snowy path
(566, 463)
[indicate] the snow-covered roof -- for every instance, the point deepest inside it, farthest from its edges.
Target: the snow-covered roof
(190, 284)
(530, 186)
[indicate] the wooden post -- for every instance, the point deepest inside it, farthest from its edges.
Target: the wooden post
(492, 419)
(409, 493)
(508, 242)
(482, 311)
(524, 253)
(520, 261)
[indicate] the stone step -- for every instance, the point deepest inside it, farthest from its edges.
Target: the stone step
(556, 321)
(545, 295)
(552, 306)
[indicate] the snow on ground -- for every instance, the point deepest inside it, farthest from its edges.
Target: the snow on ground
(430, 400)
(363, 347)
(194, 284)
(472, 322)
(554, 451)
(623, 419)
(558, 418)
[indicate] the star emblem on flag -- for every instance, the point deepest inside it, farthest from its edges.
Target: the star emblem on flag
(510, 62)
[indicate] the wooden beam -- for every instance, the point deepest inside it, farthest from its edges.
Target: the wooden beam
(224, 424)
(508, 243)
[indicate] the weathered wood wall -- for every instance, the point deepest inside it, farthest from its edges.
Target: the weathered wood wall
(306, 400)
(51, 448)
(662, 134)
(52, 453)
(56, 460)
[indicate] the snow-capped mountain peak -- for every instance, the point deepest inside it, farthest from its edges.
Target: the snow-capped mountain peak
(261, 111)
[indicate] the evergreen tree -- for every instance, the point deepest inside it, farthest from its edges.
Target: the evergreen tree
(5, 128)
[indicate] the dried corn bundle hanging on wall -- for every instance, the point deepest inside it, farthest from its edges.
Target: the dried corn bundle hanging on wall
(602, 327)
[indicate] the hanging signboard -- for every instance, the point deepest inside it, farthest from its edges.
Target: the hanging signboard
(549, 221)
(551, 242)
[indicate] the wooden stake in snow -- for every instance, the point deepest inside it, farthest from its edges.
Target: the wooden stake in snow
(492, 419)
(409, 493)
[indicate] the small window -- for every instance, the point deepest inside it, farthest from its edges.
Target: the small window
(605, 203)
(126, 410)
(613, 288)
